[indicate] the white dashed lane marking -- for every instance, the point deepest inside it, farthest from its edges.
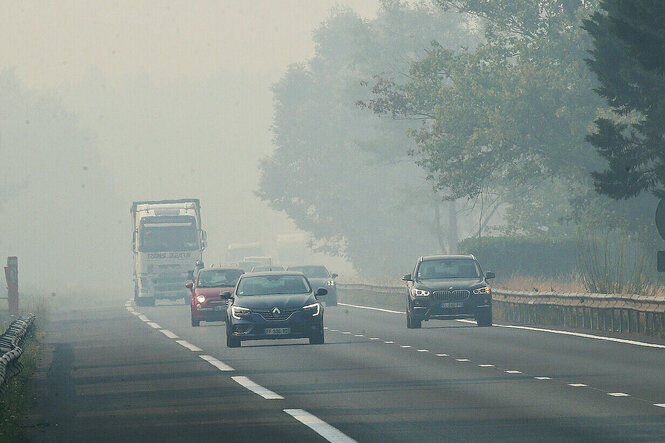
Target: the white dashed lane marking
(442, 355)
(168, 333)
(189, 346)
(216, 363)
(486, 366)
(618, 394)
(257, 389)
(660, 405)
(513, 372)
(153, 325)
(389, 342)
(405, 346)
(543, 378)
(143, 317)
(319, 426)
(577, 385)
(423, 350)
(462, 359)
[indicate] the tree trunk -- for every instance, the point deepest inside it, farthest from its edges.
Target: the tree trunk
(452, 227)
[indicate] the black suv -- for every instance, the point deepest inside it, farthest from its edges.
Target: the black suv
(448, 286)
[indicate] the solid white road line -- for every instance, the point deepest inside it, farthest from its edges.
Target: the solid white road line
(168, 333)
(319, 426)
(257, 389)
(216, 363)
(530, 328)
(189, 346)
(618, 394)
(577, 385)
(390, 311)
(153, 325)
(143, 317)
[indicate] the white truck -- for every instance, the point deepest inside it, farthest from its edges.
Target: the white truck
(167, 242)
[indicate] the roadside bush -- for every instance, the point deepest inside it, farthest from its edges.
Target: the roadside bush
(510, 256)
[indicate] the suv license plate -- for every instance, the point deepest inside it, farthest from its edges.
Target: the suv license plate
(277, 331)
(458, 304)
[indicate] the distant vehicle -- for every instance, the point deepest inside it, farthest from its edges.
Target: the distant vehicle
(447, 287)
(270, 268)
(235, 252)
(273, 305)
(249, 263)
(320, 277)
(205, 301)
(167, 240)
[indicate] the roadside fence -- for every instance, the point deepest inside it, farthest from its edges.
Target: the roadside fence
(10, 349)
(618, 313)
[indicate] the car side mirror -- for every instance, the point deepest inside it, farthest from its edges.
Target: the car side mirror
(334, 275)
(407, 277)
(226, 295)
(189, 284)
(321, 292)
(489, 275)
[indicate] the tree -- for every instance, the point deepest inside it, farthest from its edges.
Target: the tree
(502, 120)
(628, 57)
(343, 174)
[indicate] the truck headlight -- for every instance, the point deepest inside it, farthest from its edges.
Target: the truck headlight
(314, 309)
(200, 298)
(239, 312)
(483, 290)
(420, 292)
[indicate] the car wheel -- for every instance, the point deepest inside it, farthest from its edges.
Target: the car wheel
(195, 323)
(231, 341)
(317, 339)
(411, 321)
(484, 317)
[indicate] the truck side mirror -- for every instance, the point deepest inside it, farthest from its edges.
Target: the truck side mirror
(407, 277)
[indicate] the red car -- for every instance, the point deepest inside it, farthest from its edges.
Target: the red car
(206, 304)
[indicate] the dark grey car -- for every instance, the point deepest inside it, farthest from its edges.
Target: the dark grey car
(319, 277)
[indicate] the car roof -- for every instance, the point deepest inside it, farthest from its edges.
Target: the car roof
(447, 257)
(271, 273)
(220, 269)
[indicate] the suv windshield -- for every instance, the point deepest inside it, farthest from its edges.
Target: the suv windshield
(448, 268)
(218, 277)
(277, 284)
(311, 271)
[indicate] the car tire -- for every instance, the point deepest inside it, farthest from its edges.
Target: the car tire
(231, 341)
(411, 321)
(195, 323)
(317, 339)
(484, 318)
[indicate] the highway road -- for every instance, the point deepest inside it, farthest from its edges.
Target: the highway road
(131, 374)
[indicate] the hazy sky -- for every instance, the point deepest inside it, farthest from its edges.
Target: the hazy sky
(52, 42)
(176, 94)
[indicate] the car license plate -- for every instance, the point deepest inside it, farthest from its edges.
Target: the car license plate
(219, 308)
(458, 304)
(277, 331)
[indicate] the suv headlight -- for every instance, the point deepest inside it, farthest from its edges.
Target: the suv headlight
(330, 283)
(314, 309)
(238, 312)
(483, 290)
(200, 298)
(420, 292)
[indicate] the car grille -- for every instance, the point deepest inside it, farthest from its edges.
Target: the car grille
(269, 316)
(456, 295)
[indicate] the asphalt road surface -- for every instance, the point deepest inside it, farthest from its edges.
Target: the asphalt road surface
(145, 374)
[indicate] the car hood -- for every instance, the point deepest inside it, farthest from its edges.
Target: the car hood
(209, 292)
(282, 301)
(450, 283)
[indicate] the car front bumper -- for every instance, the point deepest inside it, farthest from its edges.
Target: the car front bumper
(299, 325)
(427, 307)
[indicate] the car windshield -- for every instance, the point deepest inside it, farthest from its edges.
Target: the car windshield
(277, 284)
(311, 271)
(452, 268)
(212, 278)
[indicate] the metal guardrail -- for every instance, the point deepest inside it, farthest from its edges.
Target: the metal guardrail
(10, 348)
(622, 313)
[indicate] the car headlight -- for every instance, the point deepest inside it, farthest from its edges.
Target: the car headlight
(330, 282)
(238, 312)
(483, 290)
(314, 309)
(420, 292)
(200, 298)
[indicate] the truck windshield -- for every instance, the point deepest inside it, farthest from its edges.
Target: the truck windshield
(168, 235)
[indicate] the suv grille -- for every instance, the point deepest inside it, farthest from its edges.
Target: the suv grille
(456, 295)
(268, 315)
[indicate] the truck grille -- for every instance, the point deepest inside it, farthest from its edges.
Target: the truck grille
(456, 295)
